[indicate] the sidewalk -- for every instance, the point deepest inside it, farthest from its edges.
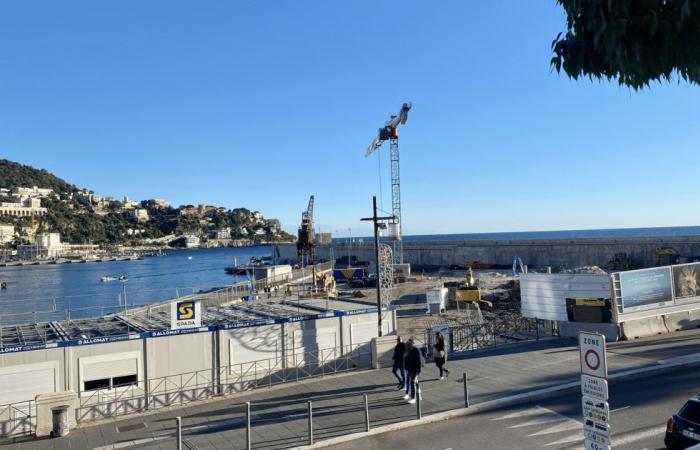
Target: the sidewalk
(279, 416)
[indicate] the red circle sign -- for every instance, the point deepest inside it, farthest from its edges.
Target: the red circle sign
(596, 359)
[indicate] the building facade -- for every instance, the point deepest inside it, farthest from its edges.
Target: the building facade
(26, 207)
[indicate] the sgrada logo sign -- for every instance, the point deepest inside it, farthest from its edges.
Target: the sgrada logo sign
(185, 315)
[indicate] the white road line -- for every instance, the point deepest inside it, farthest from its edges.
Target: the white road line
(633, 436)
(569, 425)
(536, 411)
(549, 418)
(638, 436)
(126, 444)
(619, 409)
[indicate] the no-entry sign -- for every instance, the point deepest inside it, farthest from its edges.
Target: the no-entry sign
(592, 350)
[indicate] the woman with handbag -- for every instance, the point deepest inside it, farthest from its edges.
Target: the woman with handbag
(441, 355)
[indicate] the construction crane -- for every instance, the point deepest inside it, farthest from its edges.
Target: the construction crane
(306, 245)
(390, 132)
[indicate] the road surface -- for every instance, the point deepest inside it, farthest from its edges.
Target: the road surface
(639, 411)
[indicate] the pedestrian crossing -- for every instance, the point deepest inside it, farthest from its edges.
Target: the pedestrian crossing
(545, 428)
(539, 422)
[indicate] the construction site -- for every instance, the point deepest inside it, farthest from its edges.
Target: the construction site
(320, 307)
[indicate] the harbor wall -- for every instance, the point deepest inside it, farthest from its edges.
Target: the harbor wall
(534, 252)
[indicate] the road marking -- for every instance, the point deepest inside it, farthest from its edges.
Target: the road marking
(569, 425)
(126, 444)
(619, 409)
(547, 418)
(569, 439)
(638, 436)
(543, 416)
(633, 436)
(536, 411)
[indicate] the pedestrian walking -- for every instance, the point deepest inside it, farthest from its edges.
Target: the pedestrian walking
(398, 370)
(441, 355)
(413, 363)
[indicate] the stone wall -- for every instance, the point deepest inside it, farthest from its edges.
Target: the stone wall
(535, 252)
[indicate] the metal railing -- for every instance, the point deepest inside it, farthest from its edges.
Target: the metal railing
(187, 387)
(494, 333)
(87, 306)
(17, 419)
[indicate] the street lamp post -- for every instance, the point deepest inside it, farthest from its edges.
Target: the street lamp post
(376, 221)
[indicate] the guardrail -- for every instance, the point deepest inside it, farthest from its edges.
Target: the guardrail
(17, 419)
(494, 333)
(187, 387)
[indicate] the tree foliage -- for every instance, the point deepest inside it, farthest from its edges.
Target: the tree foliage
(633, 41)
(79, 221)
(13, 175)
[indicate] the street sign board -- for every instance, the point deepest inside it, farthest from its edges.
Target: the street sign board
(596, 388)
(596, 410)
(593, 445)
(185, 314)
(596, 432)
(592, 353)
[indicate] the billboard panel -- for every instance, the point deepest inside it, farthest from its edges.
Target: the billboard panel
(646, 289)
(185, 314)
(686, 282)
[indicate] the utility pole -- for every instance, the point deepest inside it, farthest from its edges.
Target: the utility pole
(377, 225)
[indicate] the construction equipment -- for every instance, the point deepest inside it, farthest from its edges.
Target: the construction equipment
(306, 244)
(389, 132)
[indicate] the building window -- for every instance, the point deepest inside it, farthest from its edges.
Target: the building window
(94, 385)
(126, 380)
(109, 383)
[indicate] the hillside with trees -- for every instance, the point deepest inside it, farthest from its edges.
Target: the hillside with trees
(83, 217)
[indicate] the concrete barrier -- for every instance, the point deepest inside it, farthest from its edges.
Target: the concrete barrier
(383, 351)
(611, 331)
(651, 326)
(686, 320)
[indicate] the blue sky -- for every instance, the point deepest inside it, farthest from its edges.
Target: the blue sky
(262, 103)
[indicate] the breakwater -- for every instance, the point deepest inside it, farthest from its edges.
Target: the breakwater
(641, 251)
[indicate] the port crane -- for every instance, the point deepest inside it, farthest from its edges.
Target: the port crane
(306, 245)
(390, 132)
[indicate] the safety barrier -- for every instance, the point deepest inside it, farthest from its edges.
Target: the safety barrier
(17, 419)
(227, 380)
(649, 326)
(685, 320)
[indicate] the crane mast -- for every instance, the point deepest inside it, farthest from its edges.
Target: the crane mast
(306, 245)
(390, 133)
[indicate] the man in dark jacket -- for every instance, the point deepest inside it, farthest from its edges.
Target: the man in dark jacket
(413, 363)
(399, 353)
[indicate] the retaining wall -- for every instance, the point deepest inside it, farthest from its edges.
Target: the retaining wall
(534, 252)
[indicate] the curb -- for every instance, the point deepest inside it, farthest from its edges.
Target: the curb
(513, 400)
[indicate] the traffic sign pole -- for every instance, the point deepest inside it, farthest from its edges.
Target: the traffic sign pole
(594, 391)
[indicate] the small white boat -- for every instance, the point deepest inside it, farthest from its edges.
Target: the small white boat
(189, 257)
(105, 278)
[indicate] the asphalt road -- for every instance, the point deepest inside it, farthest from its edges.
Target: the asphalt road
(639, 411)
